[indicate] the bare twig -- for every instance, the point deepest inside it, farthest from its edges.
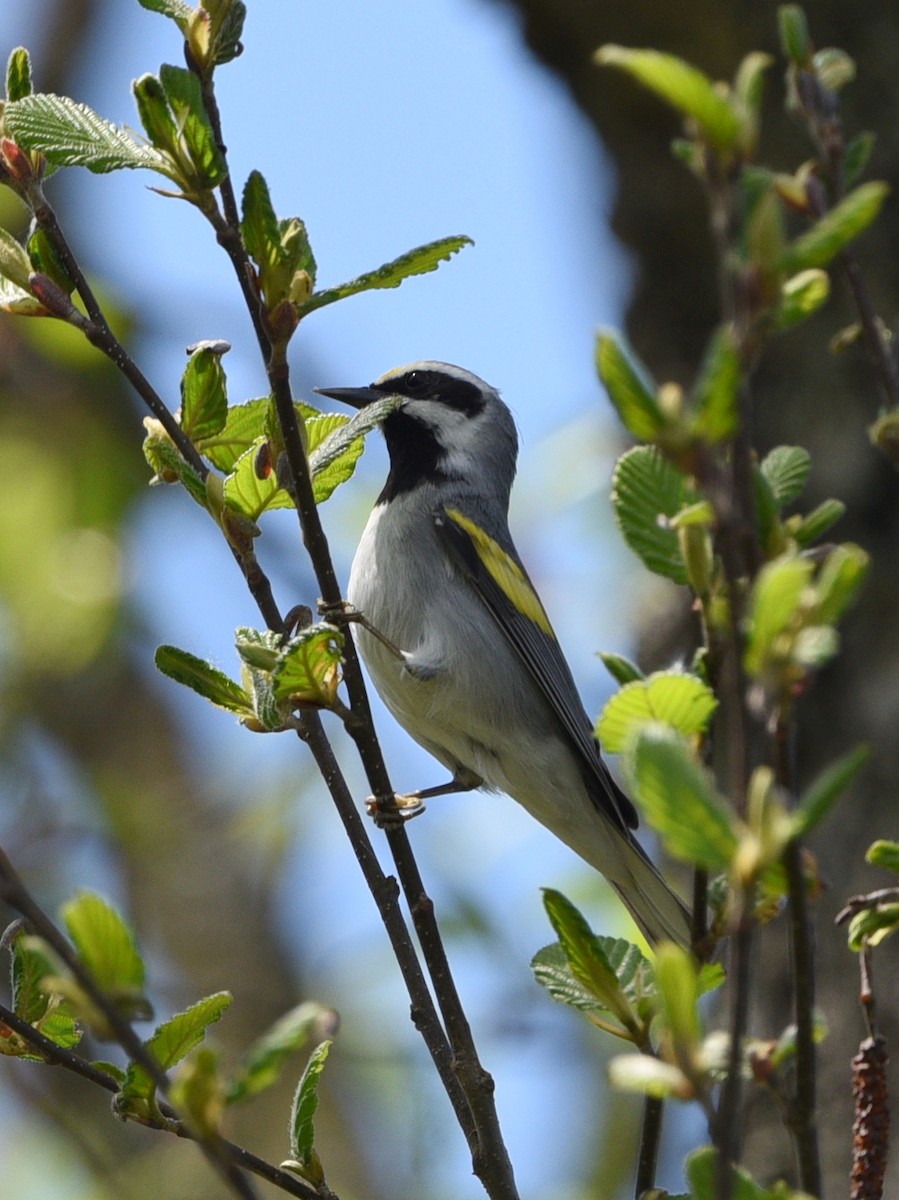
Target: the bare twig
(650, 1136)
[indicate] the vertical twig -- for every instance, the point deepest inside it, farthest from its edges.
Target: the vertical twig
(650, 1136)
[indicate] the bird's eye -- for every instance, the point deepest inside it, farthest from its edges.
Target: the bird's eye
(417, 383)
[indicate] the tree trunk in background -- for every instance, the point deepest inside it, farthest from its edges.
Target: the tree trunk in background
(804, 396)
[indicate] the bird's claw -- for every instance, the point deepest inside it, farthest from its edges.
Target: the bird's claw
(394, 810)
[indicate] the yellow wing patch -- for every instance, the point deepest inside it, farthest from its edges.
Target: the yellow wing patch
(504, 571)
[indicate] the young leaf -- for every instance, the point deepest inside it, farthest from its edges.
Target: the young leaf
(262, 1064)
(15, 265)
(677, 979)
(73, 135)
(588, 962)
(836, 229)
(883, 853)
(178, 10)
(18, 74)
(185, 97)
(305, 1160)
(838, 582)
(244, 427)
(800, 296)
(629, 387)
(308, 668)
(173, 1040)
(816, 523)
(773, 606)
(786, 469)
(646, 492)
(702, 1171)
(817, 800)
(671, 697)
(683, 86)
(416, 262)
(334, 448)
(794, 35)
(197, 1091)
(204, 398)
(204, 679)
(648, 1076)
(715, 395)
(621, 669)
(680, 802)
(855, 159)
(873, 925)
(107, 948)
(250, 493)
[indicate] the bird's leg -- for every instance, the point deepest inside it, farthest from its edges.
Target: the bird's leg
(403, 806)
(345, 614)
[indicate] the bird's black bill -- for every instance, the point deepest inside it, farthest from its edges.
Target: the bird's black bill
(356, 397)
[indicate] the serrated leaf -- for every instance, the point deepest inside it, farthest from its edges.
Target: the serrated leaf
(838, 582)
(177, 10)
(621, 669)
(172, 1041)
(263, 1063)
(205, 679)
(197, 1091)
(679, 800)
(701, 1169)
(244, 427)
(629, 386)
(820, 796)
(589, 963)
(800, 296)
(415, 262)
(302, 1116)
(647, 491)
(786, 470)
(833, 232)
(671, 697)
(32, 961)
(308, 668)
(204, 396)
(18, 74)
(648, 1076)
(773, 606)
(249, 493)
(334, 446)
(166, 461)
(816, 523)
(107, 948)
(715, 412)
(883, 853)
(73, 135)
(185, 97)
(683, 86)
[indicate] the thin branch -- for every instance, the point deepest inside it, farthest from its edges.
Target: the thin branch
(59, 1056)
(14, 893)
(650, 1136)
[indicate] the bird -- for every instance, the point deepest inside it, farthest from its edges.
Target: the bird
(458, 644)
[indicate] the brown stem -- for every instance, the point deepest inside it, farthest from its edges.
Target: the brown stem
(650, 1136)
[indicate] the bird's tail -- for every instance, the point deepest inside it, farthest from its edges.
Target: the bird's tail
(660, 914)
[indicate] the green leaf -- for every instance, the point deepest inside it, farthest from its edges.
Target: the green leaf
(856, 156)
(817, 800)
(679, 800)
(786, 469)
(244, 427)
(648, 1076)
(834, 68)
(683, 86)
(671, 697)
(800, 296)
(621, 669)
(73, 135)
(204, 397)
(334, 448)
(261, 235)
(701, 1170)
(816, 523)
(32, 961)
(172, 1040)
(197, 1092)
(715, 414)
(205, 679)
(415, 262)
(177, 10)
(749, 82)
(45, 258)
(165, 459)
(774, 605)
(838, 582)
(107, 948)
(677, 979)
(589, 963)
(185, 97)
(302, 1119)
(15, 265)
(18, 74)
(308, 668)
(248, 492)
(873, 925)
(263, 1063)
(794, 35)
(884, 854)
(629, 386)
(836, 229)
(646, 492)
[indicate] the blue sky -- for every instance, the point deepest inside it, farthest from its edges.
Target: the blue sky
(385, 127)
